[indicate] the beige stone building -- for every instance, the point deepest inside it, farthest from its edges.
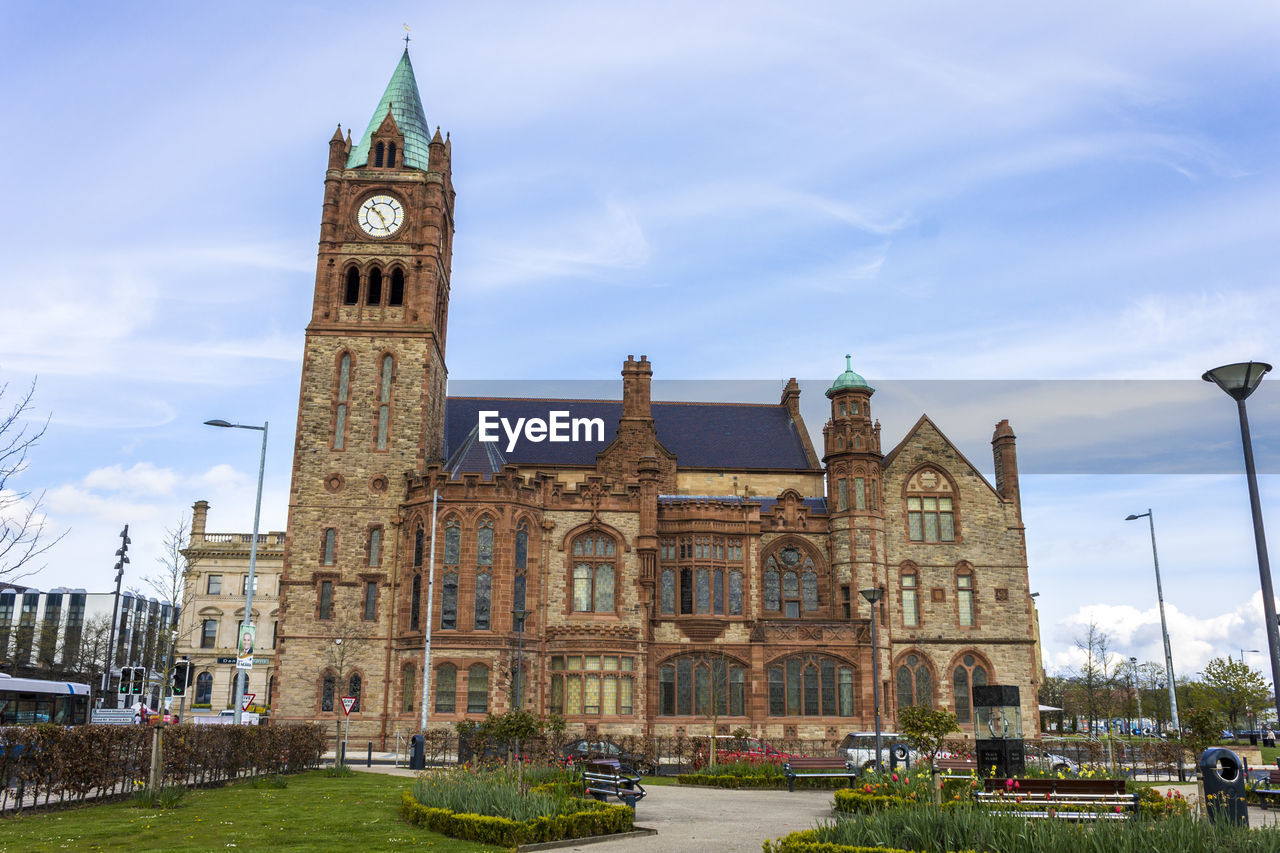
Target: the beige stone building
(682, 562)
(213, 607)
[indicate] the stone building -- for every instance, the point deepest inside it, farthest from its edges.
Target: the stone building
(213, 608)
(678, 563)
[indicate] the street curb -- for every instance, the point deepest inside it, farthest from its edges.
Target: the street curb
(637, 832)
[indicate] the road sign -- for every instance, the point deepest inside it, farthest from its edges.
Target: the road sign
(348, 702)
(247, 701)
(244, 647)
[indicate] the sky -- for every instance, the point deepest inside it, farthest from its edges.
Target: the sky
(1059, 216)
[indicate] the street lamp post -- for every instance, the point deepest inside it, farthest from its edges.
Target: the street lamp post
(1137, 691)
(872, 596)
(253, 561)
(517, 698)
(1164, 625)
(1239, 381)
(123, 554)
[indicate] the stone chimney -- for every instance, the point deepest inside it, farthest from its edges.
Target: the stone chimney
(636, 377)
(199, 515)
(1004, 449)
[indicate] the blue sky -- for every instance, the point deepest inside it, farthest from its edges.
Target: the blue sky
(742, 191)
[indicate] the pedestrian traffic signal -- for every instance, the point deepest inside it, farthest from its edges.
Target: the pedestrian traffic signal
(181, 677)
(139, 676)
(126, 678)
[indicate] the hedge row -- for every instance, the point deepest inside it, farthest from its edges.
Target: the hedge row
(75, 763)
(806, 841)
(709, 780)
(855, 801)
(1150, 803)
(594, 819)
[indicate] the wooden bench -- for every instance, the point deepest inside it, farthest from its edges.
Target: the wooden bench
(1069, 799)
(817, 768)
(1268, 785)
(604, 778)
(959, 766)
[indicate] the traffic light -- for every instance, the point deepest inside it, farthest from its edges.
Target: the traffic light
(139, 677)
(126, 678)
(181, 677)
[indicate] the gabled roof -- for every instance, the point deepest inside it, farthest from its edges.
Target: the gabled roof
(925, 419)
(732, 436)
(401, 97)
(475, 456)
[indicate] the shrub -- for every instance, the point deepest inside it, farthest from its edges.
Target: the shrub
(168, 797)
(585, 820)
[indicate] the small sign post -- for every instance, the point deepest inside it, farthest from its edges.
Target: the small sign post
(348, 702)
(247, 701)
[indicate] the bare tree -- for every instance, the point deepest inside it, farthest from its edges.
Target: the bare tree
(168, 582)
(23, 537)
(1098, 674)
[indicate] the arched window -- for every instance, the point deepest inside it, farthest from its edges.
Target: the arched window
(340, 401)
(842, 494)
(204, 689)
(353, 689)
(701, 685)
(391, 155)
(790, 583)
(914, 682)
(449, 586)
(595, 556)
(964, 596)
(330, 546)
(419, 538)
(592, 685)
(909, 581)
(351, 294)
(810, 686)
(521, 567)
(930, 507)
(415, 603)
(407, 679)
(969, 673)
(396, 297)
(328, 687)
(478, 689)
(384, 401)
(446, 689)
(373, 295)
(375, 547)
(377, 154)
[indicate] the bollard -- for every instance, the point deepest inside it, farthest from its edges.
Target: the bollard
(368, 762)
(343, 749)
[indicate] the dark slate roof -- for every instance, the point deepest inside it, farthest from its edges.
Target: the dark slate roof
(733, 436)
(476, 456)
(817, 505)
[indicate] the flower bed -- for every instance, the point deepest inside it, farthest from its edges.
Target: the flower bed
(752, 773)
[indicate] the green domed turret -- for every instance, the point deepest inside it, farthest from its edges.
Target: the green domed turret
(849, 381)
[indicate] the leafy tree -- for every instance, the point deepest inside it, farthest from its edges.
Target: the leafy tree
(23, 537)
(925, 729)
(1234, 688)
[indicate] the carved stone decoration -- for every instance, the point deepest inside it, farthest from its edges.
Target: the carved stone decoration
(701, 630)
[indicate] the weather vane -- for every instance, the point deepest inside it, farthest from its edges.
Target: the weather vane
(406, 36)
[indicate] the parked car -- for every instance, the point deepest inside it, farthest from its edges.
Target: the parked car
(582, 749)
(730, 749)
(859, 748)
(1051, 761)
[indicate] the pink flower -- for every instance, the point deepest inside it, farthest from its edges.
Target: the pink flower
(1008, 783)
(1017, 785)
(895, 777)
(1118, 810)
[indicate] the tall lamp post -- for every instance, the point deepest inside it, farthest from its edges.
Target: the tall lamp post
(1137, 691)
(1239, 381)
(123, 554)
(253, 562)
(872, 596)
(1164, 625)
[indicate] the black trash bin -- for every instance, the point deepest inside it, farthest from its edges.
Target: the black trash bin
(417, 753)
(1223, 774)
(1253, 738)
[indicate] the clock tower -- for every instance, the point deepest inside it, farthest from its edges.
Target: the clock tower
(371, 406)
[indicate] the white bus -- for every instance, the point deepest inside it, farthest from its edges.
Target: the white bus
(27, 701)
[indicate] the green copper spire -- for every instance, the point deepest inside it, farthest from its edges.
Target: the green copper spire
(848, 379)
(402, 98)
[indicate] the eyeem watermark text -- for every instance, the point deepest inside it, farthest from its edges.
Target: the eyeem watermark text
(558, 426)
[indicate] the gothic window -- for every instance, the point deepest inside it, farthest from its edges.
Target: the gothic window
(790, 583)
(384, 401)
(391, 155)
(378, 151)
(909, 581)
(204, 689)
(326, 600)
(353, 689)
(842, 492)
(669, 591)
(595, 556)
(330, 546)
(686, 591)
(859, 493)
(328, 687)
(396, 297)
(810, 686)
(968, 674)
(484, 543)
(484, 594)
(593, 685)
(370, 600)
(373, 295)
(446, 689)
(702, 685)
(415, 602)
(735, 592)
(419, 538)
(772, 587)
(478, 689)
(407, 679)
(930, 507)
(809, 586)
(449, 602)
(452, 542)
(521, 566)
(913, 682)
(351, 294)
(964, 597)
(340, 401)
(375, 547)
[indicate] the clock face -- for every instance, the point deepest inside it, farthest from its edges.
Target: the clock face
(380, 215)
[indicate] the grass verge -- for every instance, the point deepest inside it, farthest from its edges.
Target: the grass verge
(314, 813)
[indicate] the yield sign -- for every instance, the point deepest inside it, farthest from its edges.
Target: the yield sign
(246, 701)
(348, 702)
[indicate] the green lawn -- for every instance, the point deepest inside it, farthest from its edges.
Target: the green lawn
(352, 814)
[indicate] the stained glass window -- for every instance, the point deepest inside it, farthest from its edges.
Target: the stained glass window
(522, 546)
(914, 683)
(809, 585)
(452, 542)
(353, 689)
(810, 685)
(418, 541)
(330, 546)
(406, 690)
(668, 591)
(484, 591)
(449, 602)
(384, 402)
(477, 689)
(340, 414)
(859, 493)
(484, 543)
(772, 591)
(415, 603)
(735, 593)
(704, 591)
(375, 547)
(328, 687)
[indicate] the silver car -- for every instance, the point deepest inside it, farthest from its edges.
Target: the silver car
(859, 749)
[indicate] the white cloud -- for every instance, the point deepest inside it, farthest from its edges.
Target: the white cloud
(142, 478)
